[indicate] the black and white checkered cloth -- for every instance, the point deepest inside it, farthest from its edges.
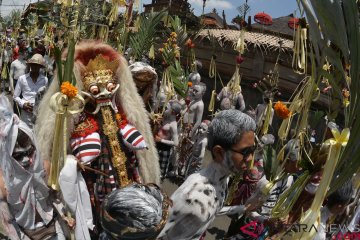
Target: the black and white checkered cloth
(164, 156)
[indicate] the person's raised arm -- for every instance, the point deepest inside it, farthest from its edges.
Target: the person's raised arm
(241, 102)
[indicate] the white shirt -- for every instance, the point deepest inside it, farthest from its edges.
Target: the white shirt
(17, 68)
(29, 88)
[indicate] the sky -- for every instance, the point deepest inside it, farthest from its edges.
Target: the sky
(276, 8)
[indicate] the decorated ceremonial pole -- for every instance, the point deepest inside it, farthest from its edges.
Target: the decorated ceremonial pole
(65, 102)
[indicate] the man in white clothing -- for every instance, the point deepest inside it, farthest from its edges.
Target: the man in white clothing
(17, 69)
(30, 85)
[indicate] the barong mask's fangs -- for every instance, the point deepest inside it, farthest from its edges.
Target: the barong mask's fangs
(99, 82)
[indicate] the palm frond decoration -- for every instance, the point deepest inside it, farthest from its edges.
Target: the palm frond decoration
(177, 77)
(179, 29)
(289, 197)
(32, 25)
(335, 37)
(337, 22)
(14, 20)
(141, 42)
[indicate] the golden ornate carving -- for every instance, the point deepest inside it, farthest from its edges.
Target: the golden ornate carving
(111, 129)
(99, 71)
(101, 63)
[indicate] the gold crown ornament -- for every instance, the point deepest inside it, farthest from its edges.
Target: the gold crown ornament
(99, 71)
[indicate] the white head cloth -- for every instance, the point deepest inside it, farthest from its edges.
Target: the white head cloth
(27, 191)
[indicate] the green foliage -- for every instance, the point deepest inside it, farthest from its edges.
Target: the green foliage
(315, 118)
(14, 18)
(65, 70)
(180, 30)
(141, 42)
(57, 55)
(177, 36)
(270, 162)
(177, 77)
(32, 25)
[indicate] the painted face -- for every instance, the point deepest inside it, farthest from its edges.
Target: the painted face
(24, 150)
(203, 128)
(196, 92)
(225, 104)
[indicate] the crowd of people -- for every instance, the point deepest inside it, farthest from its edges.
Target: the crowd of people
(119, 152)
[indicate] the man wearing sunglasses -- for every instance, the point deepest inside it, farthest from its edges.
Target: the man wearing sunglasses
(231, 142)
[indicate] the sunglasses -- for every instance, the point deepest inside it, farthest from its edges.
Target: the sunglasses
(245, 151)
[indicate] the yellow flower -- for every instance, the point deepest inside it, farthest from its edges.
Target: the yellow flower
(173, 35)
(346, 102)
(345, 93)
(326, 66)
(339, 138)
(68, 89)
(152, 52)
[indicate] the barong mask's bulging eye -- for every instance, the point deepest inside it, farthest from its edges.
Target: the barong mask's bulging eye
(94, 90)
(110, 86)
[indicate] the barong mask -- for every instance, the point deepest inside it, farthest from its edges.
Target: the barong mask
(103, 77)
(99, 83)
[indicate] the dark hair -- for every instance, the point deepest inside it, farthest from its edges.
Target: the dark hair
(134, 212)
(23, 139)
(341, 195)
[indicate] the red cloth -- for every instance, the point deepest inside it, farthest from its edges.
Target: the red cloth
(15, 53)
(248, 184)
(86, 127)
